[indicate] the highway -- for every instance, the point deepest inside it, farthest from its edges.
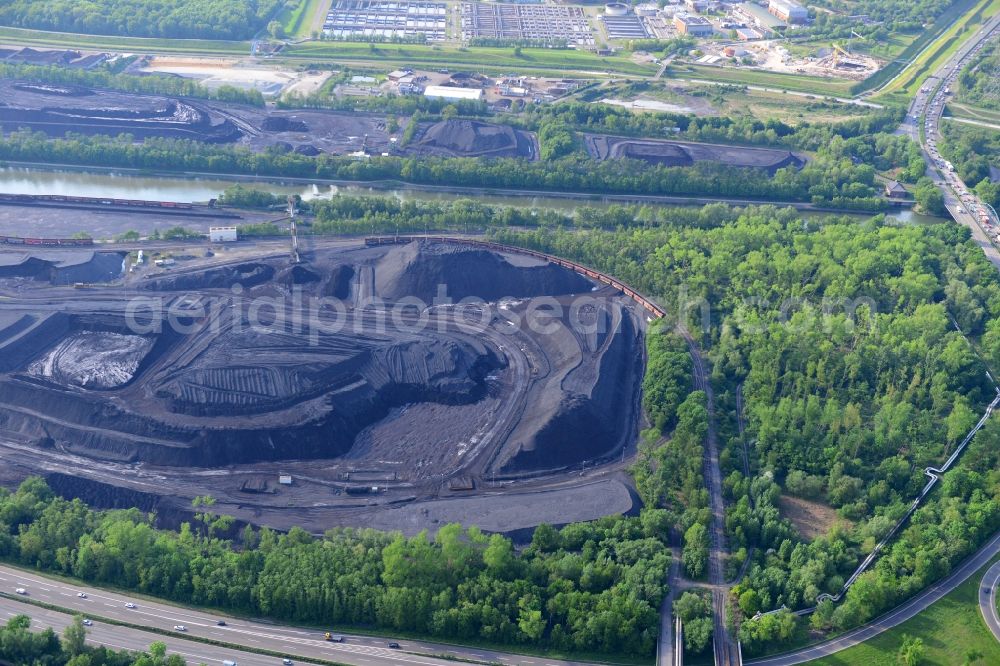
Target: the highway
(894, 617)
(988, 599)
(296, 643)
(927, 107)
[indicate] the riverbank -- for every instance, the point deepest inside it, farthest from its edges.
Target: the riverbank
(516, 197)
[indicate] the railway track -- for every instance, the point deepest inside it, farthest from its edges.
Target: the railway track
(648, 304)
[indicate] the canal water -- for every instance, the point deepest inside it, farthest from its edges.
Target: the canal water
(26, 180)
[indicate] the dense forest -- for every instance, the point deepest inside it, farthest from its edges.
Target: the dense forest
(857, 349)
(884, 17)
(107, 77)
(181, 19)
(592, 587)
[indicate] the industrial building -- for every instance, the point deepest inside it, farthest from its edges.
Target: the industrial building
(535, 23)
(351, 19)
(222, 234)
(789, 11)
(449, 92)
(696, 26)
(619, 23)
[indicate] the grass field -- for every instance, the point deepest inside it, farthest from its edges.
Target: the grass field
(973, 112)
(950, 629)
(485, 57)
(754, 77)
(906, 85)
(791, 109)
(122, 44)
(297, 21)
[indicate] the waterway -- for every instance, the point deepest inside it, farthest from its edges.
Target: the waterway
(81, 182)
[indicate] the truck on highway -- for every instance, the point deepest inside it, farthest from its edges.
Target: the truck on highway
(333, 638)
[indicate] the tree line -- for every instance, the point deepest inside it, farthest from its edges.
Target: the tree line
(186, 19)
(107, 77)
(593, 587)
(21, 646)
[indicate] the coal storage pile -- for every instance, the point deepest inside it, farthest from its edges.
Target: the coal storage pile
(687, 153)
(56, 112)
(390, 388)
(473, 138)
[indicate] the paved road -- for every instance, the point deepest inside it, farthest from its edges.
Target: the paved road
(988, 599)
(726, 650)
(297, 643)
(894, 617)
(928, 105)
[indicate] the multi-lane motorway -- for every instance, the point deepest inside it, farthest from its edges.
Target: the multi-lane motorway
(295, 643)
(926, 108)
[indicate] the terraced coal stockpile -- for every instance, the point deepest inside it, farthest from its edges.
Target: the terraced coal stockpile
(55, 111)
(684, 154)
(472, 138)
(411, 393)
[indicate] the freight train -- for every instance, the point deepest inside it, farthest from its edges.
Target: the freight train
(49, 242)
(29, 199)
(646, 303)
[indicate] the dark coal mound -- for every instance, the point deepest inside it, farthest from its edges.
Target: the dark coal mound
(65, 267)
(99, 494)
(469, 136)
(307, 149)
(298, 275)
(283, 124)
(102, 267)
(247, 275)
(593, 417)
(665, 154)
(339, 284)
(419, 268)
(684, 153)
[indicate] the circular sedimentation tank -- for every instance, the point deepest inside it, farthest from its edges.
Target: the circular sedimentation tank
(616, 9)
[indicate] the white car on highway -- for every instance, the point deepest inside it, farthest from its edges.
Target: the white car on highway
(21, 591)
(180, 627)
(87, 622)
(81, 595)
(130, 605)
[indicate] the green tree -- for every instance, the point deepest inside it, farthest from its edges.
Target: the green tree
(911, 652)
(75, 637)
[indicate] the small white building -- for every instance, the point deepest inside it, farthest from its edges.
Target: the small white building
(449, 92)
(222, 234)
(285, 479)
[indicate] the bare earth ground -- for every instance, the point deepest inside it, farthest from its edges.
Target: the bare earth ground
(811, 519)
